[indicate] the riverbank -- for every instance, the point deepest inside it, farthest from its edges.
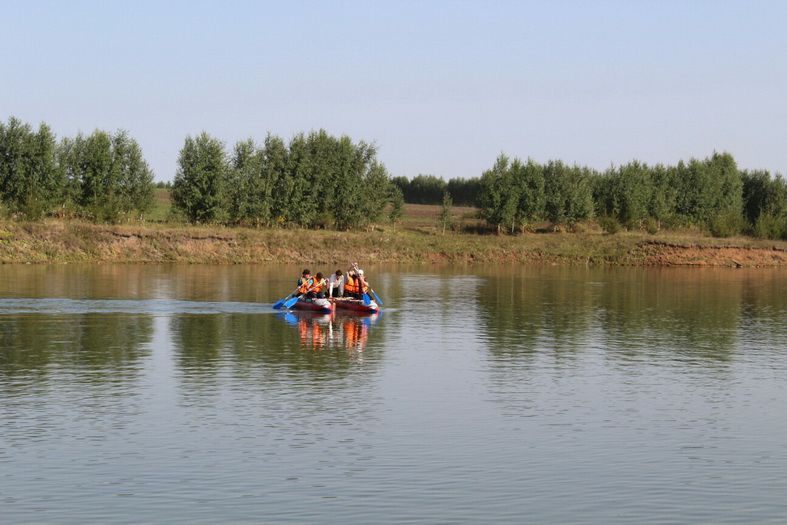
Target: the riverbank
(72, 241)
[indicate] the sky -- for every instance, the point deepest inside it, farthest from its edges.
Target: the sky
(442, 87)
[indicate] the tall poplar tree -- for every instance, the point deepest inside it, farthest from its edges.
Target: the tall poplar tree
(199, 186)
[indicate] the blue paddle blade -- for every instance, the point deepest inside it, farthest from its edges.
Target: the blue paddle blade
(278, 304)
(291, 302)
(366, 299)
(377, 298)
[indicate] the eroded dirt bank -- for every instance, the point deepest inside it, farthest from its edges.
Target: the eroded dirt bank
(657, 253)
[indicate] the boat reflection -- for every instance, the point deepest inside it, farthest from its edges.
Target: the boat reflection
(343, 329)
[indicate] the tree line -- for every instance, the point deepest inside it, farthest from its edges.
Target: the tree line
(319, 180)
(712, 194)
(315, 180)
(429, 189)
(101, 176)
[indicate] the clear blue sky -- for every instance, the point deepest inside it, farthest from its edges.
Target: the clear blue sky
(441, 87)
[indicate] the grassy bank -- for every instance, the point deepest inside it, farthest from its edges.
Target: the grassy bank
(417, 238)
(69, 241)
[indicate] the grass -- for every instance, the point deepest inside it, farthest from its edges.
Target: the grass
(162, 206)
(71, 241)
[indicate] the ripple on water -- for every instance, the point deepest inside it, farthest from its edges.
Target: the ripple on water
(518, 394)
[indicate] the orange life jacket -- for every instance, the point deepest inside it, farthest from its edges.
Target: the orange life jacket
(305, 284)
(353, 285)
(319, 286)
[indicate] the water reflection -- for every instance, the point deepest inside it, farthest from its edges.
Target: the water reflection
(58, 370)
(673, 317)
(319, 332)
(663, 315)
(282, 346)
(483, 394)
(535, 311)
(90, 348)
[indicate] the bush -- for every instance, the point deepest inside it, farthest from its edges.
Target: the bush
(726, 224)
(651, 226)
(609, 224)
(769, 226)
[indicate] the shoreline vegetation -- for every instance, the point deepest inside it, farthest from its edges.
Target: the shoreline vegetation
(56, 241)
(324, 198)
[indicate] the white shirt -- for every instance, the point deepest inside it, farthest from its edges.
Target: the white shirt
(334, 282)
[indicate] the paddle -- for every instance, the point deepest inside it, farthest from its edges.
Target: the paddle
(291, 302)
(281, 302)
(377, 298)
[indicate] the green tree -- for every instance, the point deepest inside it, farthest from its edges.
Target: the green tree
(376, 183)
(245, 177)
(528, 182)
(627, 194)
(568, 193)
(710, 193)
(302, 208)
(499, 195)
(765, 204)
(763, 194)
(466, 192)
(104, 176)
(131, 173)
(446, 219)
(344, 193)
(397, 205)
(97, 181)
(361, 185)
(30, 182)
(664, 195)
(199, 186)
(274, 174)
(425, 189)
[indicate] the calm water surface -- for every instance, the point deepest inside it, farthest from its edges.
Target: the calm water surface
(171, 394)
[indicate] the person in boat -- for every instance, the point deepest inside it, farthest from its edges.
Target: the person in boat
(356, 284)
(305, 282)
(336, 284)
(318, 287)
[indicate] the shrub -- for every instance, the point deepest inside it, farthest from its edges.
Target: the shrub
(651, 225)
(609, 224)
(769, 226)
(726, 224)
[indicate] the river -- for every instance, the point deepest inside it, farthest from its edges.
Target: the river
(171, 394)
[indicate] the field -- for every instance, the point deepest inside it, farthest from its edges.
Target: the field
(416, 216)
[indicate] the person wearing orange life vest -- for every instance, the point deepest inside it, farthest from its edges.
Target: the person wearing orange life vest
(318, 287)
(305, 282)
(356, 284)
(312, 287)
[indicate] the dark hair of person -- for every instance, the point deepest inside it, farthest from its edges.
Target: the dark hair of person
(306, 272)
(319, 275)
(339, 272)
